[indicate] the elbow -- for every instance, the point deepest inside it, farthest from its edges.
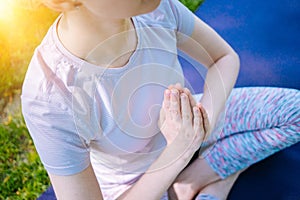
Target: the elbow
(235, 60)
(236, 64)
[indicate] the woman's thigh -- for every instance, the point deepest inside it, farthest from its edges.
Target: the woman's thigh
(257, 123)
(257, 108)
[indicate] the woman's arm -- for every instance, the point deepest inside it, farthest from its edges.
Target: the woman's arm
(184, 130)
(159, 177)
(79, 186)
(209, 49)
(151, 185)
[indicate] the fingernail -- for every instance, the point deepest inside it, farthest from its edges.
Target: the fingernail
(187, 90)
(168, 92)
(183, 97)
(196, 110)
(174, 92)
(174, 97)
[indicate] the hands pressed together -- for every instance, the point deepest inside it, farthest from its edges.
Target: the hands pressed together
(181, 118)
(184, 124)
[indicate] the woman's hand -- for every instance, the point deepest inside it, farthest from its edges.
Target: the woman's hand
(179, 106)
(185, 186)
(184, 129)
(166, 103)
(182, 125)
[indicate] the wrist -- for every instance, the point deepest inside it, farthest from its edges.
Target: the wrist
(177, 155)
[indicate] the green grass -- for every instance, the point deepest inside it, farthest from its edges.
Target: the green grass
(19, 36)
(192, 4)
(22, 175)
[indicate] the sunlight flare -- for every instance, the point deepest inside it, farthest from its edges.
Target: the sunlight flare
(5, 9)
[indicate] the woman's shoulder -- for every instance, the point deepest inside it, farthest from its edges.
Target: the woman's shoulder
(170, 14)
(163, 15)
(44, 73)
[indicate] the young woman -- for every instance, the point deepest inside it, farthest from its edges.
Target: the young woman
(103, 73)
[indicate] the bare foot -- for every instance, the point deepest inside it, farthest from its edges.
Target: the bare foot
(192, 179)
(221, 188)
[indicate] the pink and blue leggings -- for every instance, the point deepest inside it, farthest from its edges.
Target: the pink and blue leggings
(259, 121)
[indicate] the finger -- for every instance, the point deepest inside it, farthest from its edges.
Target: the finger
(174, 105)
(177, 86)
(181, 89)
(192, 99)
(198, 122)
(165, 108)
(166, 102)
(204, 114)
(186, 112)
(170, 87)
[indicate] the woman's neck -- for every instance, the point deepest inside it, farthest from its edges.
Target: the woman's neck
(87, 37)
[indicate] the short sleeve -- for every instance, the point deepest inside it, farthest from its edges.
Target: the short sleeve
(62, 151)
(185, 19)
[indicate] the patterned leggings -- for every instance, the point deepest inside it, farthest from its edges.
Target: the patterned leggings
(258, 122)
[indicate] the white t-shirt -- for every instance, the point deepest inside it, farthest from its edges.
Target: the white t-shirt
(78, 113)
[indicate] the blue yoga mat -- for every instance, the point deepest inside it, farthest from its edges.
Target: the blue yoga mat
(266, 35)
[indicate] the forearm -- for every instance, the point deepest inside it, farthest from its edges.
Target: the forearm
(220, 80)
(188, 125)
(212, 51)
(159, 177)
